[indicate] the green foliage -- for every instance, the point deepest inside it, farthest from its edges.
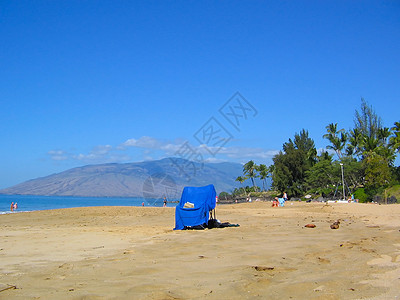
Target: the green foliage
(241, 180)
(252, 171)
(282, 177)
(263, 173)
(395, 175)
(372, 136)
(224, 196)
(360, 195)
(249, 169)
(394, 140)
(353, 172)
(337, 141)
(377, 171)
(394, 191)
(372, 191)
(321, 175)
(290, 166)
(354, 143)
(236, 192)
(367, 153)
(366, 121)
(370, 150)
(244, 191)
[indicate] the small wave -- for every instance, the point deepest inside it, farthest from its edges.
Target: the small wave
(13, 212)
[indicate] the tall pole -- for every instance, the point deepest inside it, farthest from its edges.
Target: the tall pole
(385, 197)
(344, 195)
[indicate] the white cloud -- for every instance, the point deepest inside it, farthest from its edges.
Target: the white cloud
(214, 160)
(184, 148)
(143, 142)
(98, 154)
(152, 148)
(147, 142)
(241, 152)
(102, 149)
(171, 149)
(58, 155)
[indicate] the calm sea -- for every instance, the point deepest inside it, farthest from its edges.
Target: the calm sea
(31, 203)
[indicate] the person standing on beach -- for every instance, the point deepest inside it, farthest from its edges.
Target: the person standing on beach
(284, 196)
(165, 202)
(12, 206)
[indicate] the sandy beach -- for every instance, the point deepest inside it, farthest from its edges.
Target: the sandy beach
(133, 253)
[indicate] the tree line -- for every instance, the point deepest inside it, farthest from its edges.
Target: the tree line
(365, 155)
(252, 171)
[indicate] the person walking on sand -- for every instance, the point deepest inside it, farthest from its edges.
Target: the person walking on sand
(12, 206)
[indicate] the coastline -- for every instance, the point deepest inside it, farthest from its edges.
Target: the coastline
(28, 203)
(125, 252)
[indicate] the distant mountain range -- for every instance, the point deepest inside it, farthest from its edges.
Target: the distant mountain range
(149, 179)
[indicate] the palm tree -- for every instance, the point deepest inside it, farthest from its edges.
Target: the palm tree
(370, 144)
(385, 148)
(388, 153)
(249, 170)
(383, 135)
(355, 142)
(337, 142)
(263, 173)
(271, 169)
(394, 140)
(241, 180)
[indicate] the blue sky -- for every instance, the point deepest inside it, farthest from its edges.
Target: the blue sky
(84, 82)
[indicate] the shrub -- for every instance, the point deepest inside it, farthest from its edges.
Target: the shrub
(361, 195)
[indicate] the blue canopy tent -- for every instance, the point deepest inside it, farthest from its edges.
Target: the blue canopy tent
(194, 207)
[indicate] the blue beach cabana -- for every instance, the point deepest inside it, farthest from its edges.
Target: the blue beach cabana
(194, 207)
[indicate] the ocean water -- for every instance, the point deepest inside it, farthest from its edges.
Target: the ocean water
(32, 203)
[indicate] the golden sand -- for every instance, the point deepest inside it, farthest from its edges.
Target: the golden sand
(133, 253)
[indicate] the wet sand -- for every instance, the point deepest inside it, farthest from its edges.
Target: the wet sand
(133, 253)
